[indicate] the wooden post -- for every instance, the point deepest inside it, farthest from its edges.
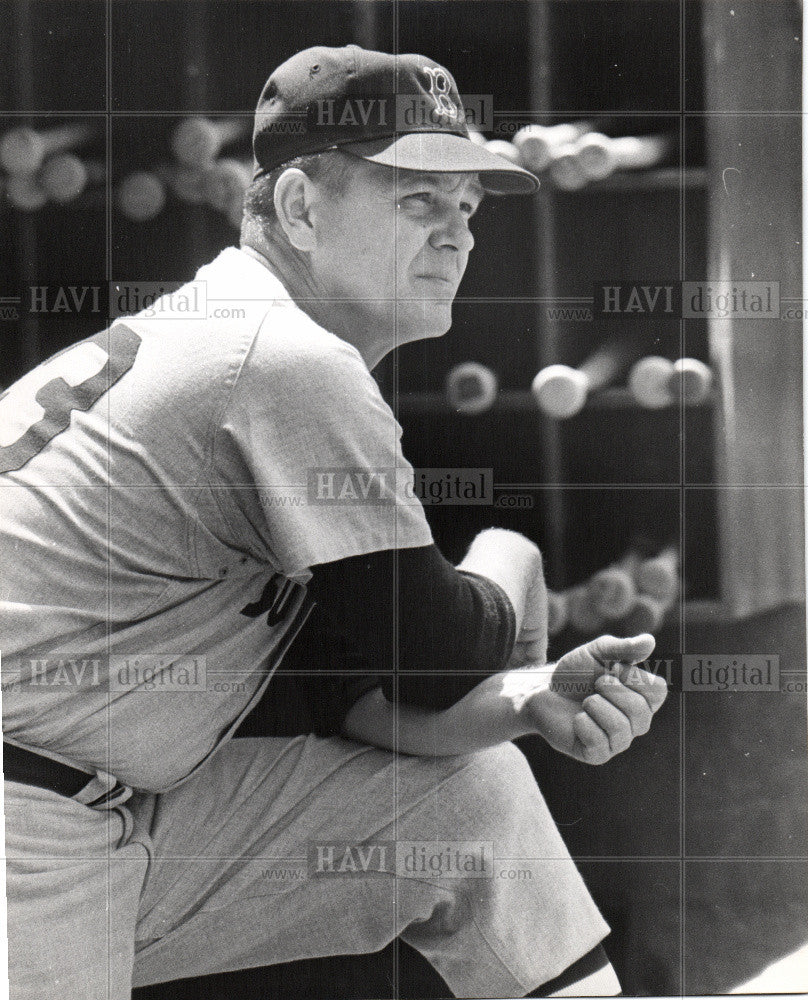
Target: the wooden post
(752, 67)
(548, 339)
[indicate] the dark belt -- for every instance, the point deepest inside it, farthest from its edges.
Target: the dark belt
(31, 768)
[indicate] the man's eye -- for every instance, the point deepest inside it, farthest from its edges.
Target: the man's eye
(468, 208)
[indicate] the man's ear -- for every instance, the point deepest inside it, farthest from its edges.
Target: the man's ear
(292, 198)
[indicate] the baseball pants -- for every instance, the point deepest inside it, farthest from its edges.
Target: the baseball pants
(284, 849)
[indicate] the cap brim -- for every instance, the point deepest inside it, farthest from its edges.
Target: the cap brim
(443, 152)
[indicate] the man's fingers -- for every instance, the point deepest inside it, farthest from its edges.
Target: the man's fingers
(594, 742)
(621, 656)
(630, 703)
(654, 689)
(614, 723)
(608, 649)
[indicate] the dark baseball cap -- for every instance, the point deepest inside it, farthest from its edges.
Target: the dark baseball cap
(396, 110)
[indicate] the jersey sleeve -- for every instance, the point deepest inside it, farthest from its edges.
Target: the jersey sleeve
(406, 621)
(431, 632)
(312, 455)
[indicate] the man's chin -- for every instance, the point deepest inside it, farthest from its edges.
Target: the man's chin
(425, 325)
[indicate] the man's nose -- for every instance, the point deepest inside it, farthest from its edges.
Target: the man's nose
(453, 231)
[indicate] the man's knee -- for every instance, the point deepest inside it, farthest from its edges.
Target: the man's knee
(497, 777)
(488, 794)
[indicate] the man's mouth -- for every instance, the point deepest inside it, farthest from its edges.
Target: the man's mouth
(435, 277)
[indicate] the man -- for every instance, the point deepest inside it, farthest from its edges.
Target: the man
(163, 545)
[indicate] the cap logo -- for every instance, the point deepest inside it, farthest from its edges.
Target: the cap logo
(440, 91)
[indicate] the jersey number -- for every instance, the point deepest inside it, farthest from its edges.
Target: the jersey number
(38, 407)
(274, 600)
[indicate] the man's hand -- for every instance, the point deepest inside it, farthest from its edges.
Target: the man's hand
(589, 705)
(594, 701)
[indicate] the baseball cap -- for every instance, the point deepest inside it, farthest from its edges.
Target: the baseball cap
(396, 110)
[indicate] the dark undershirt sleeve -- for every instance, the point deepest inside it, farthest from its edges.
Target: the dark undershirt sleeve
(408, 621)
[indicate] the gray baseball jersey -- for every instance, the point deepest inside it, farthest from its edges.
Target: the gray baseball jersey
(158, 521)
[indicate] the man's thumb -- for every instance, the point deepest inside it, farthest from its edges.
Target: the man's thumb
(609, 650)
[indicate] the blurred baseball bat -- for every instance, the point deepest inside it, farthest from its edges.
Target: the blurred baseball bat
(501, 147)
(23, 150)
(655, 382)
(581, 614)
(562, 391)
(224, 184)
(690, 381)
(185, 183)
(659, 576)
(649, 381)
(140, 196)
(646, 615)
(565, 168)
(471, 388)
(25, 193)
(64, 176)
(600, 156)
(537, 144)
(611, 590)
(197, 141)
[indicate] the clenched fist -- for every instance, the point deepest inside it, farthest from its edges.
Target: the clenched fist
(595, 700)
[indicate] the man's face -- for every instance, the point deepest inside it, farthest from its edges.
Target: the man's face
(393, 247)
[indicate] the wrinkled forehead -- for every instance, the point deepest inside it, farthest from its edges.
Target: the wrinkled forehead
(445, 182)
(398, 179)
